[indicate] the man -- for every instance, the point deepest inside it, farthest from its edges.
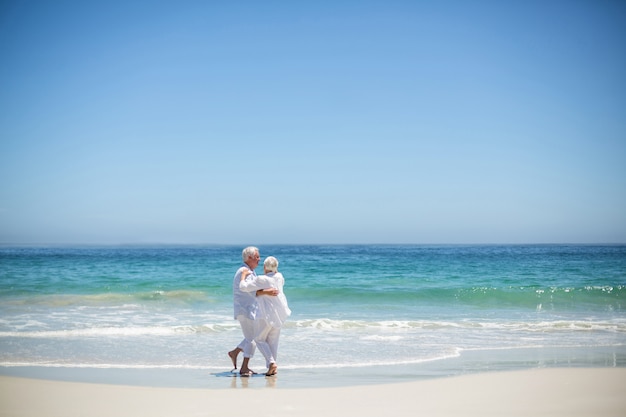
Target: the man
(245, 309)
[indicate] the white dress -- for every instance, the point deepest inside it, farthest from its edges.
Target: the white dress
(273, 309)
(271, 314)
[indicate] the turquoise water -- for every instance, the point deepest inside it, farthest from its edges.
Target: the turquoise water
(384, 311)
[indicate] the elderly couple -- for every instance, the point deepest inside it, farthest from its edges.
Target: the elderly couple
(261, 308)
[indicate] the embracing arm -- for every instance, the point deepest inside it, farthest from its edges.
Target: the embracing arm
(249, 286)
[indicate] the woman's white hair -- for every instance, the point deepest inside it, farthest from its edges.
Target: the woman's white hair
(249, 252)
(271, 264)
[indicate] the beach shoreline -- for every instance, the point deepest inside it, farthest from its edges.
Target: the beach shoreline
(538, 392)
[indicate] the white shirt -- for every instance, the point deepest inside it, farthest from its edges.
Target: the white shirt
(244, 303)
(273, 309)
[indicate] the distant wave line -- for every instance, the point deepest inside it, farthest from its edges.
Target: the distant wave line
(110, 298)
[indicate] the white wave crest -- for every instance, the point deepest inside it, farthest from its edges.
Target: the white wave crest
(618, 326)
(122, 331)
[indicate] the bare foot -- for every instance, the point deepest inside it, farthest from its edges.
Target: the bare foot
(273, 370)
(233, 356)
(246, 372)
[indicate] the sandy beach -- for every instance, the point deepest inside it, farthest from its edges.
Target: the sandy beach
(538, 392)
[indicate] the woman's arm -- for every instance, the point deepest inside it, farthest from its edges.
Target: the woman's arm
(261, 286)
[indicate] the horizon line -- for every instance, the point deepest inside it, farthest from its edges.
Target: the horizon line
(147, 244)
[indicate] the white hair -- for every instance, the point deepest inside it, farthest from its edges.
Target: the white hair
(271, 264)
(249, 252)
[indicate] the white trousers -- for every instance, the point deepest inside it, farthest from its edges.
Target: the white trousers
(266, 339)
(248, 328)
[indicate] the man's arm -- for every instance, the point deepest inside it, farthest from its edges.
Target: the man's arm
(269, 291)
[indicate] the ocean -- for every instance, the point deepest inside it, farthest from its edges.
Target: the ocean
(162, 315)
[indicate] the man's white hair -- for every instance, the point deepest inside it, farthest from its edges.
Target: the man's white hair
(249, 252)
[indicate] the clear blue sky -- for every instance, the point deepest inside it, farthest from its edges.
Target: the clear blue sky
(313, 122)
